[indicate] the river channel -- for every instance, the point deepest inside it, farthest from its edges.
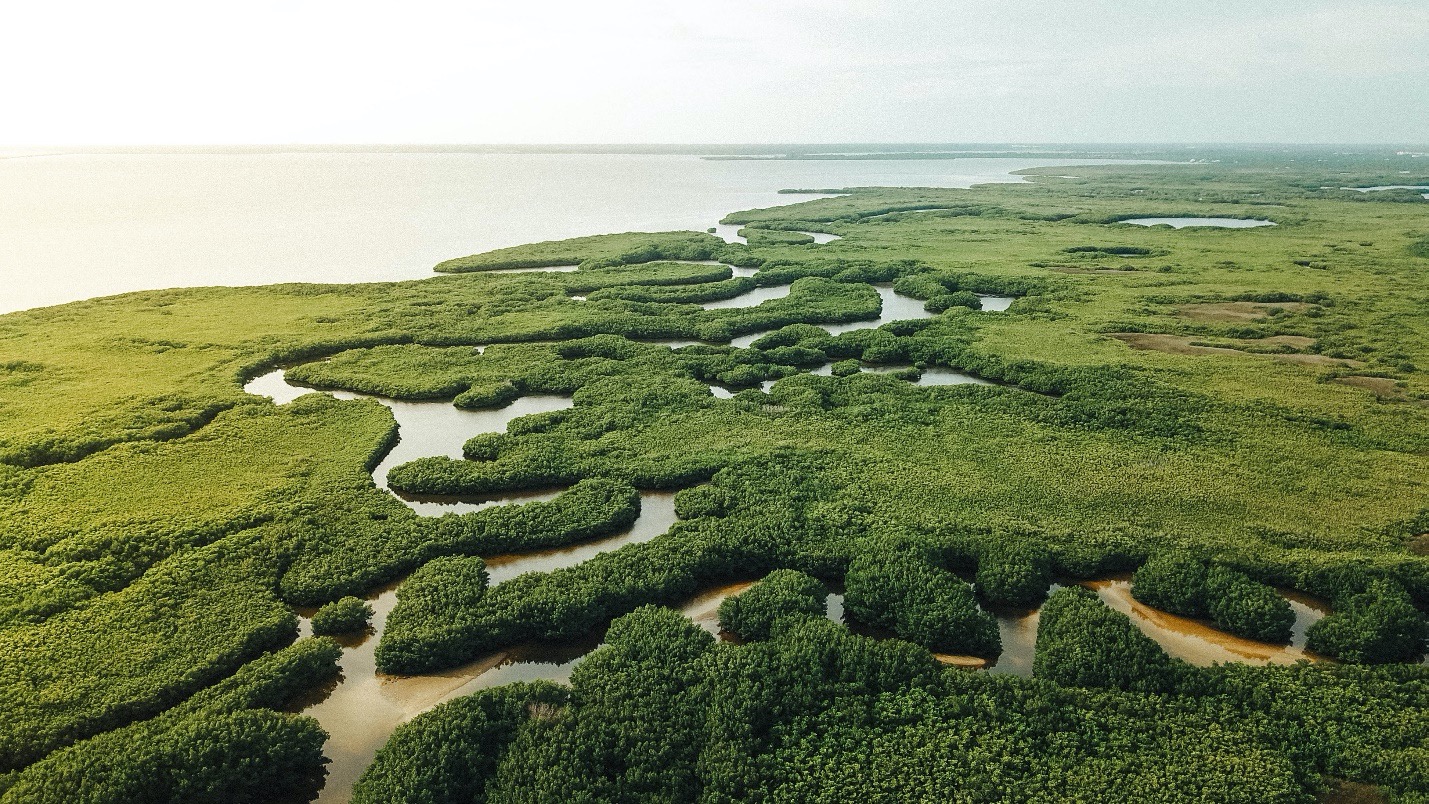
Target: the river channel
(362, 707)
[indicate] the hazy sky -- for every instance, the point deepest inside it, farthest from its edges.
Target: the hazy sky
(702, 71)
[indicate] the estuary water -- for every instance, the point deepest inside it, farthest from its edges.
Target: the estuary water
(77, 225)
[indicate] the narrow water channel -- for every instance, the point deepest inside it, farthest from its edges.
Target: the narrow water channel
(1183, 638)
(360, 712)
(1202, 645)
(752, 298)
(1419, 187)
(729, 232)
(361, 709)
(427, 429)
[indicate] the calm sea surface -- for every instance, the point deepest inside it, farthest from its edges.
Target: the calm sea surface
(76, 226)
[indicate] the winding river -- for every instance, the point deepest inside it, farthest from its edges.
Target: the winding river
(361, 710)
(362, 707)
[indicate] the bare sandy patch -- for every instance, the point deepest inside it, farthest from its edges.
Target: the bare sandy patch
(1077, 269)
(965, 662)
(1235, 311)
(1171, 344)
(1185, 345)
(1343, 792)
(1293, 341)
(1383, 388)
(1316, 360)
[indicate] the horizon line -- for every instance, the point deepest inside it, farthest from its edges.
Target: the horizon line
(721, 145)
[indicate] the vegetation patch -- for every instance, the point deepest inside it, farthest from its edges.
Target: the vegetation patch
(342, 616)
(753, 613)
(599, 251)
(158, 524)
(815, 712)
(1229, 598)
(1378, 624)
(1112, 251)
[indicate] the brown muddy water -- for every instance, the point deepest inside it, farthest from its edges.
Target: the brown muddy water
(361, 710)
(1200, 643)
(1194, 641)
(703, 609)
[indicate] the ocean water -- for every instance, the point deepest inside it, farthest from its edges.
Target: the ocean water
(77, 225)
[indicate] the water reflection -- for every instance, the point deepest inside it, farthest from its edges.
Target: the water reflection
(939, 375)
(657, 514)
(995, 304)
(274, 386)
(1018, 631)
(427, 429)
(932, 375)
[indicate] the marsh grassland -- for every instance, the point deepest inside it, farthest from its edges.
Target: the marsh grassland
(1224, 429)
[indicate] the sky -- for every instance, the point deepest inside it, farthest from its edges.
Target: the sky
(714, 71)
